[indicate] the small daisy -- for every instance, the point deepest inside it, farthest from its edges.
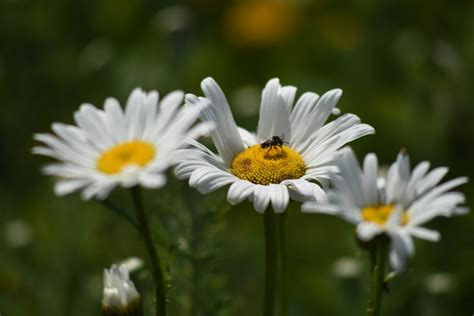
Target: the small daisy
(113, 147)
(292, 146)
(396, 205)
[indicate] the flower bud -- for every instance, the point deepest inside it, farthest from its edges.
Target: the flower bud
(120, 297)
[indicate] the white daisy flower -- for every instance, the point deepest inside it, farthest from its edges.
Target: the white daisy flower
(119, 291)
(396, 205)
(292, 146)
(113, 147)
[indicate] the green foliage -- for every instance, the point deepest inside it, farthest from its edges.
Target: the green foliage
(406, 67)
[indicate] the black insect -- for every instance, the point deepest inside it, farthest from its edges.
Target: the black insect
(275, 141)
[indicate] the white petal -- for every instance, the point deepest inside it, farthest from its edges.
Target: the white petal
(370, 179)
(261, 198)
(116, 122)
(288, 94)
(351, 176)
(248, 138)
(274, 119)
(63, 187)
(150, 112)
(135, 113)
(279, 197)
(167, 112)
(401, 247)
(92, 190)
(152, 181)
(239, 191)
(424, 233)
(431, 179)
(93, 123)
(366, 231)
(302, 190)
(302, 108)
(418, 173)
(309, 123)
(225, 136)
(315, 207)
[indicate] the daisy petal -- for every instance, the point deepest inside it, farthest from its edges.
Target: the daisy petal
(239, 191)
(64, 187)
(370, 179)
(366, 231)
(424, 233)
(279, 197)
(401, 247)
(152, 181)
(261, 198)
(274, 113)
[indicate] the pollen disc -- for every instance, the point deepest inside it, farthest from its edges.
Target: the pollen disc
(379, 214)
(268, 165)
(136, 153)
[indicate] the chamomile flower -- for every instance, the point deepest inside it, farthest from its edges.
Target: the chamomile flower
(396, 205)
(292, 146)
(112, 147)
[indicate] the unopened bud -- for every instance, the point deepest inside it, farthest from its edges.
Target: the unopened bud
(120, 297)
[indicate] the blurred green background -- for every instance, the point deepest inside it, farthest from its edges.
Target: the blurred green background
(406, 67)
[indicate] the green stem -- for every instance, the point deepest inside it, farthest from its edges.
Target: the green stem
(269, 221)
(282, 276)
(157, 272)
(119, 211)
(378, 260)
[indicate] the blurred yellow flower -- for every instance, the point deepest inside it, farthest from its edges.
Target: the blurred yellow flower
(340, 31)
(259, 23)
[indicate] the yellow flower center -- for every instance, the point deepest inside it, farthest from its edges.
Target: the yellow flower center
(116, 158)
(379, 214)
(268, 165)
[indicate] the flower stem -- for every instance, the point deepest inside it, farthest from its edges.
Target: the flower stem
(378, 261)
(282, 276)
(119, 211)
(157, 272)
(269, 221)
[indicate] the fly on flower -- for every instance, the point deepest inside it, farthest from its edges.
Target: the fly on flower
(396, 205)
(275, 141)
(244, 161)
(113, 147)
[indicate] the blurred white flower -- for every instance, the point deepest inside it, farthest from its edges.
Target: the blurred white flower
(119, 291)
(18, 233)
(113, 147)
(97, 53)
(346, 267)
(292, 147)
(396, 207)
(438, 283)
(173, 18)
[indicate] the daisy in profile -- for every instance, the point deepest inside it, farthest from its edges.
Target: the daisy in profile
(112, 147)
(395, 206)
(292, 147)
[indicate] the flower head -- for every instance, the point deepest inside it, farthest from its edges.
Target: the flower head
(113, 147)
(396, 205)
(292, 146)
(120, 294)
